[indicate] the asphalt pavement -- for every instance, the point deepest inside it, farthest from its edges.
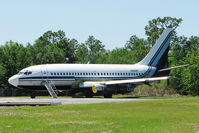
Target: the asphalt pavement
(64, 101)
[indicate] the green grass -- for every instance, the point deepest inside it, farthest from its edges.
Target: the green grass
(179, 115)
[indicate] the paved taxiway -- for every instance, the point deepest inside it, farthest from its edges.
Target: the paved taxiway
(69, 101)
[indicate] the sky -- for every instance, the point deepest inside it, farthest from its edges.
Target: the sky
(110, 21)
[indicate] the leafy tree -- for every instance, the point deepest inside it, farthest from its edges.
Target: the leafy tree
(156, 26)
(50, 37)
(2, 75)
(69, 48)
(187, 78)
(102, 57)
(120, 56)
(82, 54)
(14, 57)
(138, 47)
(54, 47)
(95, 46)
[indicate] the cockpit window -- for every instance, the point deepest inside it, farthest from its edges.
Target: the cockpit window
(20, 73)
(25, 73)
(29, 73)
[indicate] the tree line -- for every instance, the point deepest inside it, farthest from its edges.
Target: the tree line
(55, 47)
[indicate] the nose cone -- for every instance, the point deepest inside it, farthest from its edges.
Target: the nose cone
(13, 80)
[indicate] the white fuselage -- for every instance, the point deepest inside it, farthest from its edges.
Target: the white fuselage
(67, 74)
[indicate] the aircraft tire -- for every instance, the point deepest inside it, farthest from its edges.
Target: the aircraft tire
(108, 95)
(32, 96)
(88, 95)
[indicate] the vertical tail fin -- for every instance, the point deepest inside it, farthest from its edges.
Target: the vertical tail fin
(158, 49)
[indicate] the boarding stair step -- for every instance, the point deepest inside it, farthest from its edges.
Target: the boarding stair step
(51, 88)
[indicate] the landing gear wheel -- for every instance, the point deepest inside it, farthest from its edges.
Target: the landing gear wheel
(89, 94)
(107, 95)
(32, 96)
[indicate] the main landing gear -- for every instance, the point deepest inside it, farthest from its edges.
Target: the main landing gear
(32, 95)
(108, 95)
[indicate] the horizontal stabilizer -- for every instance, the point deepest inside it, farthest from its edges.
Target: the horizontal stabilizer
(170, 68)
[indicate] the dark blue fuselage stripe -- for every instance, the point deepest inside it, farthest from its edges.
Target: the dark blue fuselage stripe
(41, 78)
(49, 77)
(146, 73)
(81, 78)
(159, 50)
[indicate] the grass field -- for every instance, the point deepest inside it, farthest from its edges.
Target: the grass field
(179, 115)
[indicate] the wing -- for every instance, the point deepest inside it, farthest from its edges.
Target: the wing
(121, 82)
(136, 81)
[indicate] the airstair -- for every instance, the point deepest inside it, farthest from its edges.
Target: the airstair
(50, 86)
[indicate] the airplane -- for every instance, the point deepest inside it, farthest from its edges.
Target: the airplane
(95, 79)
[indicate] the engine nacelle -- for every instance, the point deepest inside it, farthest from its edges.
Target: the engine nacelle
(98, 87)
